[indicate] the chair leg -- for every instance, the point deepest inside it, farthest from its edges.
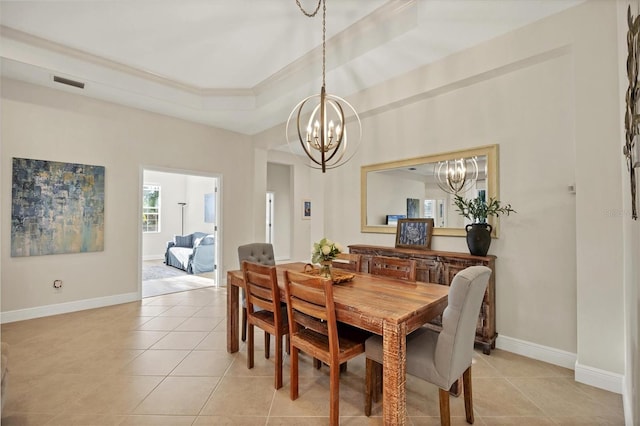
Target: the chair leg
(278, 375)
(468, 395)
(334, 394)
(369, 386)
(377, 389)
(288, 344)
(244, 324)
(294, 373)
(445, 416)
(250, 346)
(267, 345)
(317, 363)
(456, 388)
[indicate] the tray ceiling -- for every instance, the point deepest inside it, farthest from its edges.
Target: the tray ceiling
(240, 65)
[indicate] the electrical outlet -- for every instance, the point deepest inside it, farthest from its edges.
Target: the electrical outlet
(57, 284)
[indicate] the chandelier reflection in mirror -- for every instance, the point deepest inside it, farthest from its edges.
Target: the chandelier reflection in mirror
(321, 127)
(458, 175)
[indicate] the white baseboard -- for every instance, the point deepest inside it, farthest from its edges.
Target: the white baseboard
(533, 350)
(606, 380)
(63, 308)
(153, 257)
(602, 379)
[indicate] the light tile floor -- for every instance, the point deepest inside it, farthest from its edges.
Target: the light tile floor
(163, 361)
(170, 283)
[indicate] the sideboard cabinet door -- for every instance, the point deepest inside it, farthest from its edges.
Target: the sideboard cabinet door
(440, 267)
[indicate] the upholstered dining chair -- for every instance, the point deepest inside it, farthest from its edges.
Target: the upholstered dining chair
(393, 267)
(347, 261)
(264, 310)
(441, 358)
(315, 331)
(261, 253)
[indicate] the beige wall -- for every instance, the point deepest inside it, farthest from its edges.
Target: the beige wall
(529, 112)
(548, 95)
(631, 241)
(45, 124)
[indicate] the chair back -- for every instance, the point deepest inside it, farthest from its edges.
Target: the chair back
(263, 295)
(454, 348)
(347, 261)
(393, 267)
(261, 253)
(311, 309)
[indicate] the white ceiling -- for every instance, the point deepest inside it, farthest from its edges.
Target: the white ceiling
(241, 65)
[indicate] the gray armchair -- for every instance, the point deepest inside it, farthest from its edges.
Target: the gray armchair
(441, 358)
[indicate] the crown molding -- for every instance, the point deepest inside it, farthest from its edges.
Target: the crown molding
(39, 42)
(377, 28)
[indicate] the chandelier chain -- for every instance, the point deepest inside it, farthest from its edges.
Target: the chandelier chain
(324, 138)
(324, 32)
(324, 44)
(310, 15)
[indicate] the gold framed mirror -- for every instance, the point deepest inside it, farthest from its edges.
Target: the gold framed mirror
(408, 188)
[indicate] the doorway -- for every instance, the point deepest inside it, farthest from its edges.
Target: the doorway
(279, 212)
(183, 204)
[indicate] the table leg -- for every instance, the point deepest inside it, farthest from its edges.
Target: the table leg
(232, 318)
(394, 355)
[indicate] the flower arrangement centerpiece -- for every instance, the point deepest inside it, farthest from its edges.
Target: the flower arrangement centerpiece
(324, 251)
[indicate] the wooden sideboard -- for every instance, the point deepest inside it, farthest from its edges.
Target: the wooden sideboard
(440, 267)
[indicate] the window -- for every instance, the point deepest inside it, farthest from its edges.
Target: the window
(151, 208)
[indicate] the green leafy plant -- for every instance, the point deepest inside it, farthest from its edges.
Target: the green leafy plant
(325, 250)
(478, 209)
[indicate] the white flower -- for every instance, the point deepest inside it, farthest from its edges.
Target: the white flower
(325, 250)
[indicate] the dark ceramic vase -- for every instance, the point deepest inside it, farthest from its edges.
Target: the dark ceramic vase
(478, 238)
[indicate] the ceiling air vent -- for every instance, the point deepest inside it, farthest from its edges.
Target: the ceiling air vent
(68, 82)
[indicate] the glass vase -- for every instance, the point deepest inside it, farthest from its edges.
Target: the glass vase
(325, 269)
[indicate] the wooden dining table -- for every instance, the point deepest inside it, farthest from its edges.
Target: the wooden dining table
(385, 306)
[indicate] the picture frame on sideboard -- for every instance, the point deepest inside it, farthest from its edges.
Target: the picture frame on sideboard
(414, 233)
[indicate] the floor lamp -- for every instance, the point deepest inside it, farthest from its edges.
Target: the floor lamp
(182, 205)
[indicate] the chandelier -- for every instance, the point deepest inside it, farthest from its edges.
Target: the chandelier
(457, 175)
(320, 123)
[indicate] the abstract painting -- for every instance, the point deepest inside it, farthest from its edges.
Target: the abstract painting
(413, 208)
(56, 208)
(210, 208)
